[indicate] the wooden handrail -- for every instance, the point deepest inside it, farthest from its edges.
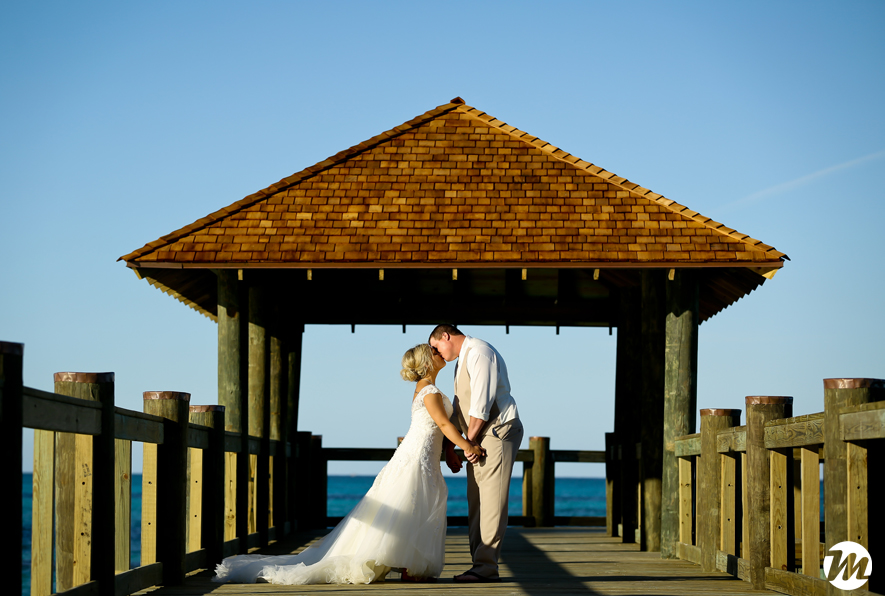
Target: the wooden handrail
(793, 448)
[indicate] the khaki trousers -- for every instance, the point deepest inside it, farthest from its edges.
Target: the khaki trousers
(488, 489)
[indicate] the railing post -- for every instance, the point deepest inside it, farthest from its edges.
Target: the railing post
(93, 515)
(527, 494)
(319, 485)
(171, 482)
(709, 499)
(300, 481)
(759, 411)
(542, 482)
(11, 386)
(845, 490)
(212, 527)
(612, 486)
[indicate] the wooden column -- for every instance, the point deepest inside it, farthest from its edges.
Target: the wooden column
(651, 423)
(212, 498)
(542, 482)
(759, 411)
(627, 387)
(680, 394)
(259, 411)
(293, 346)
(845, 471)
(233, 374)
(709, 499)
(278, 432)
(171, 481)
(11, 386)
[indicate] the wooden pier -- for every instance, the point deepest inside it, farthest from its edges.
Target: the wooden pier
(747, 497)
(534, 561)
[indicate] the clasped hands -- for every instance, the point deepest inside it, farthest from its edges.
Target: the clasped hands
(473, 455)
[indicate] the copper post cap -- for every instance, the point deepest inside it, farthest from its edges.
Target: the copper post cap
(763, 400)
(719, 412)
(81, 377)
(180, 395)
(207, 408)
(854, 383)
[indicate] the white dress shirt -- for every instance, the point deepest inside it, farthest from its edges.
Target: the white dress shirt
(488, 380)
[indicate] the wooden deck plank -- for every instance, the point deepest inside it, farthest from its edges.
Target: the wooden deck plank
(534, 561)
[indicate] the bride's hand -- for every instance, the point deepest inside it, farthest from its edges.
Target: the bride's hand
(476, 451)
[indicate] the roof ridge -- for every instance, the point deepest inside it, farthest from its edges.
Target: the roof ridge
(295, 178)
(612, 178)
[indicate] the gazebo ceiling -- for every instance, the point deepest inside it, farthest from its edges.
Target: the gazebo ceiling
(537, 235)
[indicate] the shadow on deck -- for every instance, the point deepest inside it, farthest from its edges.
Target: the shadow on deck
(535, 562)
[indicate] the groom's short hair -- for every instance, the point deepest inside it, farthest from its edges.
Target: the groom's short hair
(444, 328)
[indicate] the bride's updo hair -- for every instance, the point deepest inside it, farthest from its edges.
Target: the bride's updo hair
(417, 363)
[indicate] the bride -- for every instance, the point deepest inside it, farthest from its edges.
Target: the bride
(399, 524)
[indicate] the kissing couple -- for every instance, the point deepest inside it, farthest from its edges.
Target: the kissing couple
(401, 522)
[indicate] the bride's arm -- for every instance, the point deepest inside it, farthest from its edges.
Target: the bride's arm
(434, 404)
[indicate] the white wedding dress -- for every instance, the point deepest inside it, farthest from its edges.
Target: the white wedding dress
(399, 524)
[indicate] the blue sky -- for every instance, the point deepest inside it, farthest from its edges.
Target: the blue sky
(122, 122)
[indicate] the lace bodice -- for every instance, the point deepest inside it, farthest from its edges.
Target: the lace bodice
(423, 441)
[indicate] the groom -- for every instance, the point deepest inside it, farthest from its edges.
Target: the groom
(486, 413)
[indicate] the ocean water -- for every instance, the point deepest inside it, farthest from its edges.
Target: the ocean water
(573, 496)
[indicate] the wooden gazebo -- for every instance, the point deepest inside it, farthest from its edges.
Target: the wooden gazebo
(456, 216)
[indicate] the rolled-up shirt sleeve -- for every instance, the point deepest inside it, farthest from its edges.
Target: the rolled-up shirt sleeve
(483, 384)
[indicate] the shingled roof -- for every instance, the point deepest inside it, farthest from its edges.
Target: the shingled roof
(455, 187)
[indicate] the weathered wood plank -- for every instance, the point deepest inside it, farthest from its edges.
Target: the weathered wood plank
(810, 462)
(779, 517)
(861, 423)
(728, 532)
(51, 411)
(197, 437)
(194, 499)
(688, 445)
(122, 504)
(686, 513)
(794, 584)
(795, 432)
(733, 565)
(136, 426)
(731, 440)
(149, 504)
(41, 513)
(689, 552)
(82, 508)
(134, 580)
(565, 455)
(858, 491)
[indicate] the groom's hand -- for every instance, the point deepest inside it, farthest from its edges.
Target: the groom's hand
(474, 458)
(452, 459)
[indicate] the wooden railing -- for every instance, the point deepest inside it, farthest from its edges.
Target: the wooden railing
(750, 495)
(192, 515)
(193, 511)
(538, 482)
